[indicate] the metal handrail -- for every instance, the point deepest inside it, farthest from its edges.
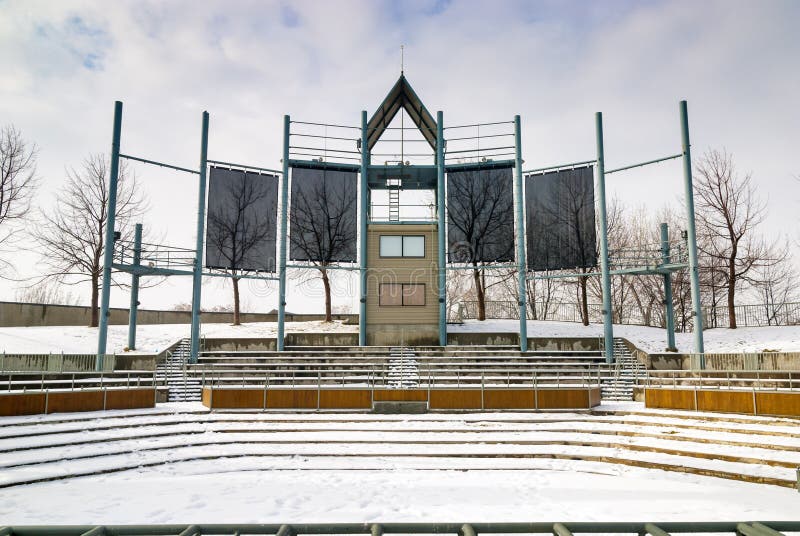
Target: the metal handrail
(566, 528)
(76, 381)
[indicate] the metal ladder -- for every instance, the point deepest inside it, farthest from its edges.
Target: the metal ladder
(394, 185)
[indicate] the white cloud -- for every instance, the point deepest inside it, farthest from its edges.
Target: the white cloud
(248, 63)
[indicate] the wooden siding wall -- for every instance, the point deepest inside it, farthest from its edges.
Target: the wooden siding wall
(66, 401)
(402, 270)
(438, 399)
(782, 404)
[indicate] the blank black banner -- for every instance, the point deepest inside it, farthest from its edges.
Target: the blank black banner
(323, 215)
(242, 216)
(480, 215)
(560, 224)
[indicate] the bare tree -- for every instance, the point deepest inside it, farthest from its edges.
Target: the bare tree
(481, 216)
(17, 185)
(777, 287)
(238, 231)
(323, 230)
(72, 234)
(48, 292)
(729, 213)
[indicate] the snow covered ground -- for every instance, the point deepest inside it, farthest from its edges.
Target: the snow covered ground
(179, 464)
(149, 338)
(155, 338)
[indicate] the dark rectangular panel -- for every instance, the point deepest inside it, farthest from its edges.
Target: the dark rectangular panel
(480, 215)
(242, 217)
(323, 215)
(560, 225)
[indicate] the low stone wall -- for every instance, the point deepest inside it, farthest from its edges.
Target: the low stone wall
(788, 361)
(135, 361)
(13, 314)
(470, 338)
(321, 339)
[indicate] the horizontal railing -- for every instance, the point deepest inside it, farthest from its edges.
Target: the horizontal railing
(723, 379)
(387, 378)
(749, 528)
(54, 362)
(77, 381)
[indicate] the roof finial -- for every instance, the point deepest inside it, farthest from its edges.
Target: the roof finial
(402, 59)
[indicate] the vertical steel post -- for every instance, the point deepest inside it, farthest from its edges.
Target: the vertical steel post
(519, 206)
(362, 230)
(108, 244)
(283, 236)
(608, 328)
(134, 308)
(669, 310)
(694, 273)
(197, 279)
(440, 228)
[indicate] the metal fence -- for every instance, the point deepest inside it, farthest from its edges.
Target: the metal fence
(780, 314)
(77, 381)
(749, 528)
(757, 380)
(783, 314)
(62, 362)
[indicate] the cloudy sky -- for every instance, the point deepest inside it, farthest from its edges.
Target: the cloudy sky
(63, 63)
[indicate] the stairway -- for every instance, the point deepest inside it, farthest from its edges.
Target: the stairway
(627, 370)
(172, 371)
(403, 368)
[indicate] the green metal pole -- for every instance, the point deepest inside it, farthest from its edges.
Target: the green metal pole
(283, 238)
(519, 206)
(134, 308)
(694, 272)
(669, 309)
(440, 228)
(608, 327)
(364, 193)
(108, 245)
(197, 281)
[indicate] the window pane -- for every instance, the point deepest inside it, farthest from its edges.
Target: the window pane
(391, 246)
(414, 294)
(390, 294)
(413, 246)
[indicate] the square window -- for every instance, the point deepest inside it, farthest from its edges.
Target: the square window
(413, 246)
(414, 294)
(390, 294)
(391, 246)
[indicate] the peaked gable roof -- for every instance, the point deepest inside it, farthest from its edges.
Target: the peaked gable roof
(401, 95)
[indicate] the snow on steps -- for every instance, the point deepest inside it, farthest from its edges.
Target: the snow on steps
(172, 371)
(733, 447)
